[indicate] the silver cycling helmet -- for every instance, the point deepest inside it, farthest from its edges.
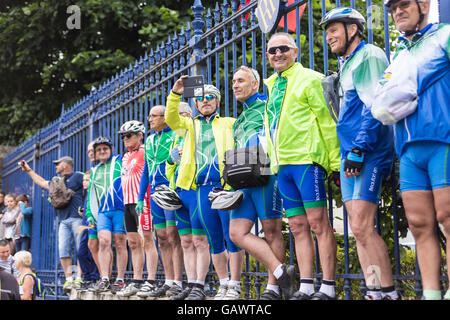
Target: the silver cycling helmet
(133, 126)
(209, 88)
(166, 198)
(343, 14)
(346, 16)
(225, 200)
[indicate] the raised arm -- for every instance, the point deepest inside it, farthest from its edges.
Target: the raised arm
(41, 182)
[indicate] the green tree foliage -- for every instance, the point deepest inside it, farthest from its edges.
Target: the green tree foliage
(44, 64)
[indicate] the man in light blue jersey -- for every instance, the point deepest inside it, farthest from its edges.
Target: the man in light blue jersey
(366, 145)
(422, 139)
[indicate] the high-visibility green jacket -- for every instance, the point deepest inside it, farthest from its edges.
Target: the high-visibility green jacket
(223, 136)
(304, 132)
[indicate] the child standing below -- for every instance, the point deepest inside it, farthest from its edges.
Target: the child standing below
(9, 219)
(24, 222)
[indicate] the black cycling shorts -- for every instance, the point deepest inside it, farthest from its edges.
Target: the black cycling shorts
(131, 218)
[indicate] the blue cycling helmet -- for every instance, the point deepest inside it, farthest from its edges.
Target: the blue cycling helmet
(345, 15)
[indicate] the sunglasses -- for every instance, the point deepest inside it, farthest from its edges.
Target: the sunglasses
(154, 116)
(402, 5)
(283, 49)
(128, 135)
(208, 97)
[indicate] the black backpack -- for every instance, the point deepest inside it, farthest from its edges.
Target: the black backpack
(331, 93)
(60, 195)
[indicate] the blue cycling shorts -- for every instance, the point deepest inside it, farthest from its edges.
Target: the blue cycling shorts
(366, 186)
(112, 221)
(301, 186)
(260, 202)
(162, 218)
(425, 165)
(216, 223)
(187, 217)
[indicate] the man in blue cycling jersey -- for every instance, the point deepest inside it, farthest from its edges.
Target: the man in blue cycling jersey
(366, 145)
(422, 139)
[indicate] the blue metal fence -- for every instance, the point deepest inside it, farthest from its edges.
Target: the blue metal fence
(218, 40)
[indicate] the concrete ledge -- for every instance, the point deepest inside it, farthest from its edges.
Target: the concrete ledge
(89, 295)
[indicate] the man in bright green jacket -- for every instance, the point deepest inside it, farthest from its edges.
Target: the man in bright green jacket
(303, 147)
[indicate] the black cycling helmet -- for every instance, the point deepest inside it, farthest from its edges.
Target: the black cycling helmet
(407, 33)
(102, 140)
(166, 198)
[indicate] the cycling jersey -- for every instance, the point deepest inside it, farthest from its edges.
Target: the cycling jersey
(357, 128)
(171, 166)
(157, 151)
(206, 156)
(105, 189)
(221, 128)
(430, 48)
(132, 168)
(298, 124)
(250, 123)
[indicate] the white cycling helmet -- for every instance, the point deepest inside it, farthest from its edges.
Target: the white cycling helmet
(166, 198)
(209, 88)
(225, 200)
(133, 126)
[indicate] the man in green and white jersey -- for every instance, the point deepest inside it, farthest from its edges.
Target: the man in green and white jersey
(262, 202)
(157, 151)
(207, 138)
(105, 209)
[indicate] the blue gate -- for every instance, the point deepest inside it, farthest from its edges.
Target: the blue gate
(214, 44)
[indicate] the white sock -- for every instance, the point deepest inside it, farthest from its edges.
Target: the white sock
(274, 288)
(119, 279)
(328, 287)
(306, 286)
(200, 282)
(168, 282)
(224, 282)
(69, 279)
(375, 294)
(234, 283)
(278, 271)
(178, 283)
(389, 292)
